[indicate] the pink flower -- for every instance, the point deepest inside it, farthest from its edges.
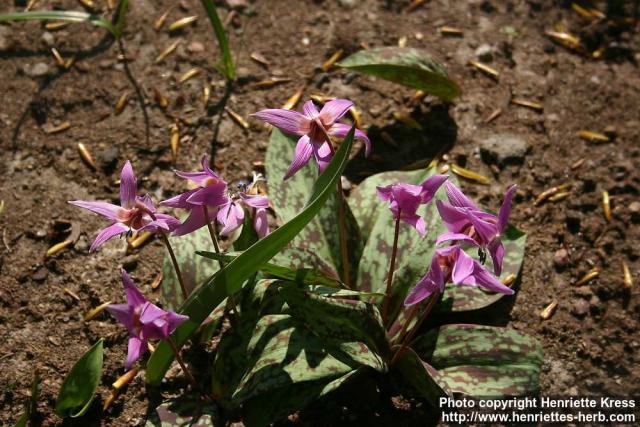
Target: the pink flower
(405, 199)
(315, 129)
(467, 223)
(231, 215)
(211, 192)
(453, 265)
(144, 320)
(135, 213)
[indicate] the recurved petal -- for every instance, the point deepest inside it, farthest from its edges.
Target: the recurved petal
(496, 250)
(310, 110)
(134, 296)
(459, 237)
(457, 197)
(287, 121)
(180, 201)
(171, 222)
(137, 348)
(505, 209)
(486, 230)
(486, 280)
(455, 219)
(431, 185)
(123, 314)
(322, 153)
(107, 233)
(255, 201)
(417, 222)
(128, 186)
(105, 209)
(214, 195)
(340, 130)
(463, 267)
(333, 110)
(301, 157)
(174, 320)
(384, 193)
(200, 178)
(431, 282)
(194, 221)
(231, 217)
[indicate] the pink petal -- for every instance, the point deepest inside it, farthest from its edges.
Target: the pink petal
(463, 267)
(457, 197)
(310, 110)
(255, 201)
(340, 130)
(486, 280)
(194, 221)
(302, 154)
(287, 121)
(128, 186)
(323, 154)
(107, 233)
(105, 209)
(431, 185)
(449, 236)
(505, 209)
(332, 111)
(431, 282)
(384, 193)
(147, 202)
(174, 320)
(260, 223)
(134, 296)
(214, 195)
(455, 219)
(180, 201)
(123, 314)
(137, 348)
(231, 217)
(200, 178)
(486, 230)
(415, 221)
(496, 250)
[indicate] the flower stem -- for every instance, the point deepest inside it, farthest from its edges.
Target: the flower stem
(187, 373)
(392, 267)
(185, 294)
(405, 342)
(212, 233)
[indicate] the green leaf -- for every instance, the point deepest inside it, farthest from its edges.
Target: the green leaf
(221, 35)
(483, 360)
(205, 298)
(32, 403)
(79, 387)
(319, 243)
(58, 15)
(340, 319)
(419, 376)
(307, 276)
(410, 67)
(195, 269)
(268, 407)
(187, 411)
(466, 298)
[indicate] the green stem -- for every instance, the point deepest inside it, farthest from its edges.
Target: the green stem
(405, 342)
(221, 35)
(392, 267)
(165, 239)
(187, 373)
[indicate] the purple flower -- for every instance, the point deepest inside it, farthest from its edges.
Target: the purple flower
(453, 265)
(405, 199)
(231, 215)
(211, 192)
(315, 129)
(467, 223)
(144, 320)
(135, 213)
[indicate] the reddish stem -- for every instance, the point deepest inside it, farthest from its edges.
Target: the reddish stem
(392, 267)
(403, 347)
(165, 239)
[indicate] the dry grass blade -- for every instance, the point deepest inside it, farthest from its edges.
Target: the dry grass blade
(206, 94)
(494, 115)
(160, 99)
(293, 100)
(86, 156)
(109, 400)
(559, 196)
(57, 129)
(55, 26)
(627, 280)
(550, 192)
(577, 164)
(31, 4)
(549, 310)
(125, 379)
(402, 42)
(237, 118)
(259, 59)
(326, 66)
(270, 82)
(415, 4)
(606, 206)
(88, 4)
(189, 75)
(593, 136)
(175, 140)
(58, 247)
(529, 104)
(565, 39)
(592, 274)
(96, 311)
(56, 55)
(485, 69)
(466, 173)
(181, 23)
(451, 31)
(157, 281)
(161, 20)
(122, 102)
(168, 51)
(407, 120)
(71, 294)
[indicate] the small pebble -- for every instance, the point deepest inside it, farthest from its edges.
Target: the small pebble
(38, 70)
(195, 47)
(580, 307)
(48, 39)
(484, 53)
(561, 258)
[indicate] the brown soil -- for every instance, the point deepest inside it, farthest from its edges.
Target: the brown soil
(591, 344)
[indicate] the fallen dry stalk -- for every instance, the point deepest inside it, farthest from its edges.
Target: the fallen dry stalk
(591, 274)
(96, 311)
(466, 173)
(86, 156)
(606, 206)
(549, 310)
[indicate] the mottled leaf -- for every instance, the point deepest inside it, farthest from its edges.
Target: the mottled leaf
(208, 296)
(410, 67)
(187, 411)
(483, 360)
(321, 236)
(421, 377)
(79, 387)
